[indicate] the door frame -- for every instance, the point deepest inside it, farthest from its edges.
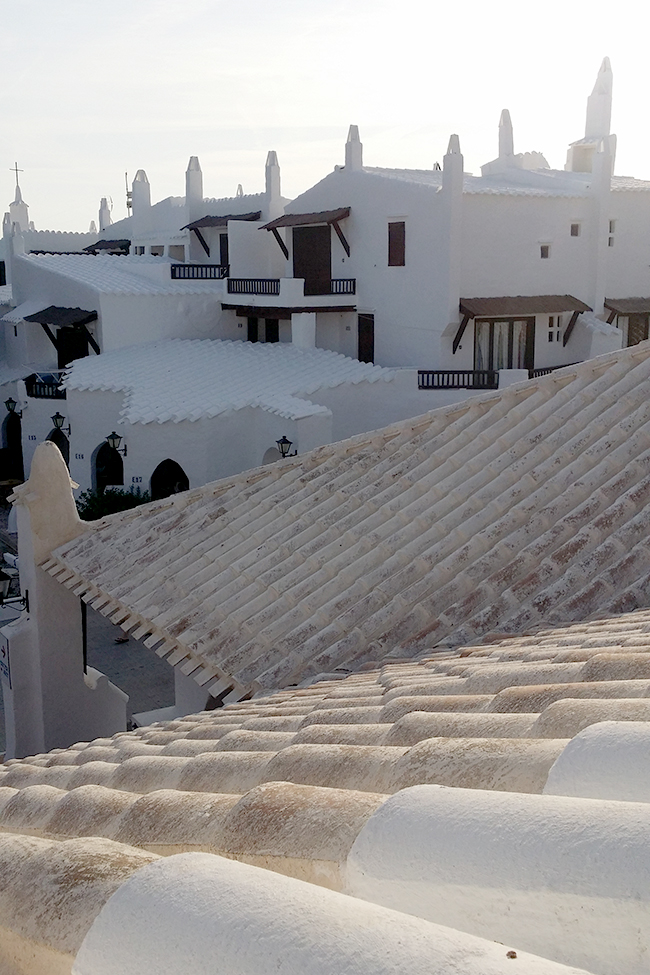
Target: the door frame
(529, 352)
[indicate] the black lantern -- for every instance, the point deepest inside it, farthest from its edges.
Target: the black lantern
(114, 440)
(58, 422)
(22, 601)
(11, 406)
(284, 446)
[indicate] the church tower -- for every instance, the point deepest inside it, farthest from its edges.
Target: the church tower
(18, 210)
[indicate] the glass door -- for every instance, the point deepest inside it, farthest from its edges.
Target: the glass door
(507, 343)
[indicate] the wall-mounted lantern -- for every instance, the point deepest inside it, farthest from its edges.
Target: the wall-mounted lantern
(114, 440)
(11, 405)
(284, 446)
(58, 422)
(5, 600)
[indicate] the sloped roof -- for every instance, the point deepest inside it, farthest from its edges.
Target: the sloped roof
(494, 717)
(304, 219)
(118, 274)
(55, 315)
(188, 379)
(221, 221)
(517, 506)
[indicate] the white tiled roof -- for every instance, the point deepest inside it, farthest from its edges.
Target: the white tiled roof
(120, 274)
(519, 183)
(328, 782)
(182, 379)
(512, 508)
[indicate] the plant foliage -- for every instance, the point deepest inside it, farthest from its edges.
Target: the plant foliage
(92, 505)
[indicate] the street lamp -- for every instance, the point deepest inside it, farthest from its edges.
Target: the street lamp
(114, 440)
(11, 406)
(58, 421)
(284, 446)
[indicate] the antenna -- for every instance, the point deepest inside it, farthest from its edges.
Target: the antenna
(129, 195)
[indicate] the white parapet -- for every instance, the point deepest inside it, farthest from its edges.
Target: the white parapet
(562, 877)
(202, 914)
(610, 760)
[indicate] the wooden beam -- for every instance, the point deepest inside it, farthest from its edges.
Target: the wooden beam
(48, 331)
(341, 236)
(201, 240)
(612, 316)
(91, 341)
(459, 333)
(570, 327)
(283, 246)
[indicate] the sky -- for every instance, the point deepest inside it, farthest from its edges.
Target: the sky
(91, 90)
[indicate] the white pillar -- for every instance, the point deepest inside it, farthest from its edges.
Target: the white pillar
(49, 703)
(194, 190)
(274, 207)
(451, 217)
(303, 330)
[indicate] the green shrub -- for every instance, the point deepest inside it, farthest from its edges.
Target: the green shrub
(92, 505)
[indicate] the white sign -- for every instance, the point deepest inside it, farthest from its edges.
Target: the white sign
(5, 665)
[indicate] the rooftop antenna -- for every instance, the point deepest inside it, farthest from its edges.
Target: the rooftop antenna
(129, 196)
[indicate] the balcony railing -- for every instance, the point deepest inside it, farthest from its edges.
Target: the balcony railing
(458, 379)
(253, 286)
(199, 272)
(45, 385)
(536, 373)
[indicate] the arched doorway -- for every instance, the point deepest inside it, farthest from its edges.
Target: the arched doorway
(271, 455)
(168, 478)
(11, 457)
(108, 468)
(59, 438)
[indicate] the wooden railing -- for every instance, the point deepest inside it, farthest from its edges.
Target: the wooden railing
(253, 286)
(45, 386)
(199, 272)
(536, 373)
(458, 379)
(343, 286)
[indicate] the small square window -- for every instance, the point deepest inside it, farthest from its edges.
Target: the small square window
(612, 226)
(575, 229)
(610, 242)
(545, 251)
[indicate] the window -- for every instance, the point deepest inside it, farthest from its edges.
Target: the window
(397, 244)
(575, 229)
(177, 252)
(612, 229)
(139, 250)
(507, 343)
(554, 327)
(545, 251)
(3, 273)
(223, 250)
(157, 250)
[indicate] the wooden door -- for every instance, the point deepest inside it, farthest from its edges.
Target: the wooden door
(312, 258)
(366, 333)
(71, 344)
(637, 329)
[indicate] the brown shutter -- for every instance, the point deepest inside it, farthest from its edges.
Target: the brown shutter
(397, 244)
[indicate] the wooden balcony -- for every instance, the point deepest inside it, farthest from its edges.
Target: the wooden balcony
(458, 379)
(199, 272)
(253, 286)
(45, 385)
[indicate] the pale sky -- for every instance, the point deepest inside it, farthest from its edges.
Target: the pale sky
(94, 88)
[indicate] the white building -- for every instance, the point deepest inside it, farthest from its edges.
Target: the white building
(460, 277)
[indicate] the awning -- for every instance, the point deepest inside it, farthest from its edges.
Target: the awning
(222, 221)
(628, 306)
(303, 219)
(61, 317)
(512, 305)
